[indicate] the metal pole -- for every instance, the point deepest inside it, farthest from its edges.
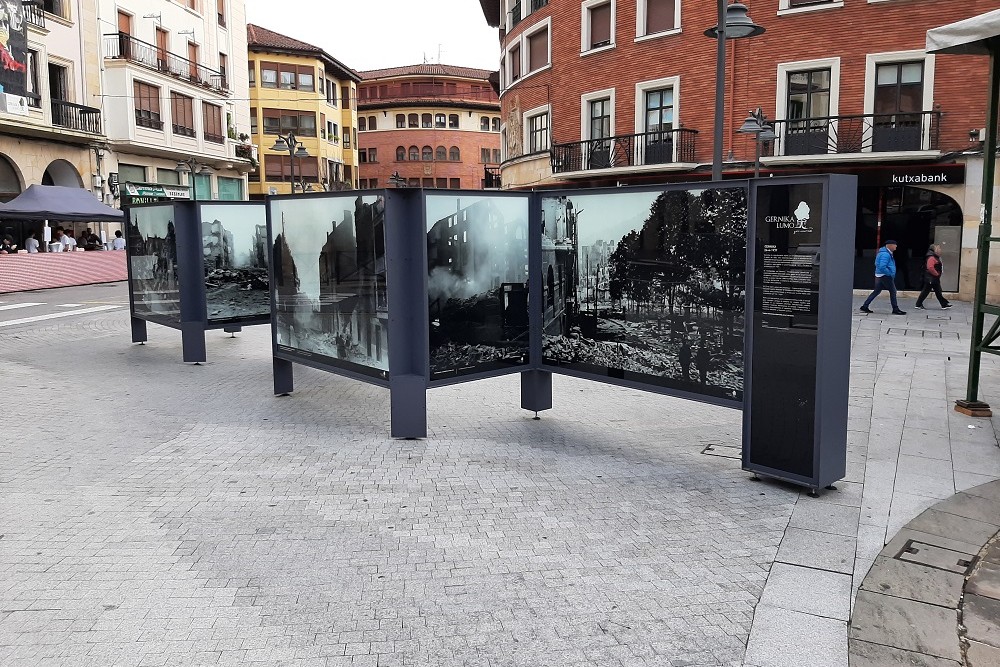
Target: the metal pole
(720, 91)
(756, 155)
(985, 232)
(194, 180)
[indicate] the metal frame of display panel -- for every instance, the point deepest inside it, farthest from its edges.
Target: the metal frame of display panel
(826, 451)
(193, 319)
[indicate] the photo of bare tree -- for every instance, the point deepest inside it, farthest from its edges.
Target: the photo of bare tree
(647, 286)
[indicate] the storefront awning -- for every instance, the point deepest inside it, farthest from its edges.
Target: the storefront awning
(973, 36)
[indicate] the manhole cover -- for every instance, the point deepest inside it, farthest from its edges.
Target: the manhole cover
(936, 557)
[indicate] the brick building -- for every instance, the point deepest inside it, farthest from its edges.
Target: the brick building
(622, 91)
(433, 125)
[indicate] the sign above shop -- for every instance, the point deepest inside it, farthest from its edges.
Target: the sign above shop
(935, 174)
(165, 191)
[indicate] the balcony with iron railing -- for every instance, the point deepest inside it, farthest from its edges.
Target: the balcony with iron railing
(76, 117)
(862, 133)
(627, 150)
(34, 15)
(122, 46)
(514, 16)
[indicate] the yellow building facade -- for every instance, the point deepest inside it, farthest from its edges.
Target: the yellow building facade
(300, 90)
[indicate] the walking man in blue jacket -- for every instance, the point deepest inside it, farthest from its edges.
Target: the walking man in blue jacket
(885, 278)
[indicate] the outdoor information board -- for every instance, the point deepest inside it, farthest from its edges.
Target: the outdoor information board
(795, 411)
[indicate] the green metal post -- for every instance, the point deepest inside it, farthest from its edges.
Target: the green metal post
(972, 402)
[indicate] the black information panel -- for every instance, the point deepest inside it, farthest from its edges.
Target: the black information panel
(786, 283)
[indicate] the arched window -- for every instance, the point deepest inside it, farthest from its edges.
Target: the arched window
(454, 155)
(453, 121)
(496, 124)
(414, 153)
(425, 120)
(400, 153)
(439, 120)
(371, 123)
(441, 153)
(414, 120)
(362, 124)
(400, 120)
(484, 123)
(427, 153)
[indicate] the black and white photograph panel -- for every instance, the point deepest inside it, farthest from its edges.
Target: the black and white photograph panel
(152, 246)
(234, 243)
(330, 281)
(477, 283)
(647, 286)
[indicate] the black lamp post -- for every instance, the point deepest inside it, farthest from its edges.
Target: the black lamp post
(289, 144)
(193, 168)
(757, 125)
(734, 23)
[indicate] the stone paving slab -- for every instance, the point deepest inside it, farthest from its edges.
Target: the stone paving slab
(181, 515)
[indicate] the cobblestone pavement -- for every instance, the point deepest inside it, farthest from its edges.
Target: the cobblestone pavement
(157, 513)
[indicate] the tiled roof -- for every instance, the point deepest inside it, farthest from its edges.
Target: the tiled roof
(264, 39)
(426, 69)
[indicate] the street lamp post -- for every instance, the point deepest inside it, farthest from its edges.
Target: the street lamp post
(193, 168)
(734, 23)
(289, 144)
(757, 125)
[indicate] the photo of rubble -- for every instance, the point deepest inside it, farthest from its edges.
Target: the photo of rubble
(234, 242)
(152, 257)
(477, 283)
(648, 287)
(330, 282)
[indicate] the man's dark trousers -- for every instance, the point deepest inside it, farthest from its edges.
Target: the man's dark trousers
(883, 283)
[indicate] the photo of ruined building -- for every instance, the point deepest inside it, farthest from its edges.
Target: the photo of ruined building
(330, 281)
(234, 243)
(152, 256)
(647, 286)
(477, 283)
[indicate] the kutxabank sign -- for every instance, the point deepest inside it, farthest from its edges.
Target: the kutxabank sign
(477, 283)
(153, 277)
(647, 286)
(234, 246)
(330, 302)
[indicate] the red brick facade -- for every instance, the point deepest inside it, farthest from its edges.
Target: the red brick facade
(850, 30)
(444, 110)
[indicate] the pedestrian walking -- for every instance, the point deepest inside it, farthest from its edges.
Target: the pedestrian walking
(933, 268)
(885, 278)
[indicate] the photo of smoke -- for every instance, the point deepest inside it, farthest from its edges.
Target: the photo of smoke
(152, 256)
(648, 287)
(234, 242)
(477, 283)
(330, 281)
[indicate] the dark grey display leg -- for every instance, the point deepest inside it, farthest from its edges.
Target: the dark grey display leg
(408, 406)
(283, 376)
(232, 330)
(193, 342)
(138, 330)
(536, 391)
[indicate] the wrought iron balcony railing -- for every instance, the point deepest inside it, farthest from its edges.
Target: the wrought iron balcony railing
(34, 15)
(864, 133)
(627, 150)
(538, 4)
(491, 178)
(76, 117)
(126, 47)
(515, 15)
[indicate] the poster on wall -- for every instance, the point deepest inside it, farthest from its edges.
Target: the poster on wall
(13, 48)
(152, 256)
(234, 245)
(647, 287)
(329, 268)
(477, 283)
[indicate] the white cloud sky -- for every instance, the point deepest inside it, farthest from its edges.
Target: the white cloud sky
(373, 34)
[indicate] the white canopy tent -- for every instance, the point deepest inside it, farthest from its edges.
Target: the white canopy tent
(979, 36)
